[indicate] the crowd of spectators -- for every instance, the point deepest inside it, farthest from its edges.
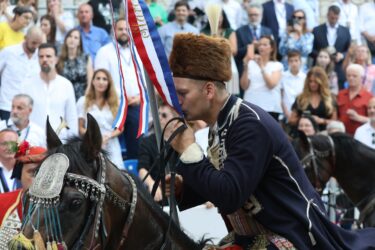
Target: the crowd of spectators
(309, 76)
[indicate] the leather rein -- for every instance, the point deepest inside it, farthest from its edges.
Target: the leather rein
(310, 160)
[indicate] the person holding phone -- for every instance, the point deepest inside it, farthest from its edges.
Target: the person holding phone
(261, 77)
(297, 38)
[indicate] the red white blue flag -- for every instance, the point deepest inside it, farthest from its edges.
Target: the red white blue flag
(151, 50)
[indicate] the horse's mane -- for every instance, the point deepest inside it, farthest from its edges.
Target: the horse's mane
(174, 228)
(348, 148)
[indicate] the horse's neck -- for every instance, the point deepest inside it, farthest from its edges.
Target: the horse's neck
(353, 177)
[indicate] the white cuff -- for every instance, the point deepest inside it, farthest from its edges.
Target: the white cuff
(192, 154)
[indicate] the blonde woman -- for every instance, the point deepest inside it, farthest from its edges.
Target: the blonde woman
(315, 98)
(101, 102)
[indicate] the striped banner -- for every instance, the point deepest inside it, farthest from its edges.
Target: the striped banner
(151, 50)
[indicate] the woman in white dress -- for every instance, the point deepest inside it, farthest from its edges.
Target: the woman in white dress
(101, 102)
(261, 77)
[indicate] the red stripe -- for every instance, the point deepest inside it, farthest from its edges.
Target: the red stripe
(134, 27)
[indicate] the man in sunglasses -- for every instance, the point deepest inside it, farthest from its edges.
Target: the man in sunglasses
(251, 173)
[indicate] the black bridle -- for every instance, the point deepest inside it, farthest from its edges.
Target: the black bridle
(99, 191)
(310, 161)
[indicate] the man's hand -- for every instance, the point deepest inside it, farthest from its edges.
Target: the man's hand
(178, 182)
(182, 140)
(134, 100)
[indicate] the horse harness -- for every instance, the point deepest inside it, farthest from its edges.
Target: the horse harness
(98, 191)
(310, 160)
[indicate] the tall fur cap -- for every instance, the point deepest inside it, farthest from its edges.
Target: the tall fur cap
(201, 57)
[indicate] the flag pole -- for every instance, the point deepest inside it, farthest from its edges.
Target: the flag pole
(157, 131)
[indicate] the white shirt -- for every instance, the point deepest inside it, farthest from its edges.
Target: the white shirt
(33, 134)
(349, 18)
(68, 19)
(332, 34)
(258, 92)
(15, 67)
(364, 134)
(106, 58)
(366, 18)
(292, 86)
(55, 99)
(10, 182)
(280, 16)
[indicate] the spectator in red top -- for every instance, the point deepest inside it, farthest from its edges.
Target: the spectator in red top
(353, 101)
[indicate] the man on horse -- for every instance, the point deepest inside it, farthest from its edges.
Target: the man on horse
(28, 159)
(252, 173)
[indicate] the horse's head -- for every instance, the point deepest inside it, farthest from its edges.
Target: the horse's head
(317, 156)
(75, 213)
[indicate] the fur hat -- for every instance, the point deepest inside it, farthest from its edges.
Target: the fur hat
(201, 57)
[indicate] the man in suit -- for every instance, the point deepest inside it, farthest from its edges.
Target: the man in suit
(276, 14)
(249, 34)
(335, 37)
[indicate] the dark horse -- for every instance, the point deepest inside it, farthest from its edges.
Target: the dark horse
(349, 161)
(101, 207)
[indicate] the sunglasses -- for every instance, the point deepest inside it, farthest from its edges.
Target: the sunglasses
(299, 17)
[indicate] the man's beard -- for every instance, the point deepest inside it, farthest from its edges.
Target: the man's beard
(45, 68)
(16, 120)
(122, 42)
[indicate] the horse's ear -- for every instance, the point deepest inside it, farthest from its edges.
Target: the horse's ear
(92, 140)
(53, 141)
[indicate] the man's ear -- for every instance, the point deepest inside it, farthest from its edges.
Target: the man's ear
(210, 89)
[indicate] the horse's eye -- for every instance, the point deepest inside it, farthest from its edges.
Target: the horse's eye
(76, 204)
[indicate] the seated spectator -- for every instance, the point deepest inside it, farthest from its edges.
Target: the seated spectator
(148, 151)
(297, 38)
(307, 125)
(225, 31)
(64, 20)
(352, 102)
(102, 103)
(22, 106)
(366, 132)
(11, 32)
(48, 26)
(315, 98)
(17, 63)
(92, 37)
(179, 25)
(8, 140)
(74, 64)
(292, 82)
(53, 95)
(361, 55)
(261, 78)
(326, 61)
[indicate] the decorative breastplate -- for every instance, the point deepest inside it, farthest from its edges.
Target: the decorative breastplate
(11, 227)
